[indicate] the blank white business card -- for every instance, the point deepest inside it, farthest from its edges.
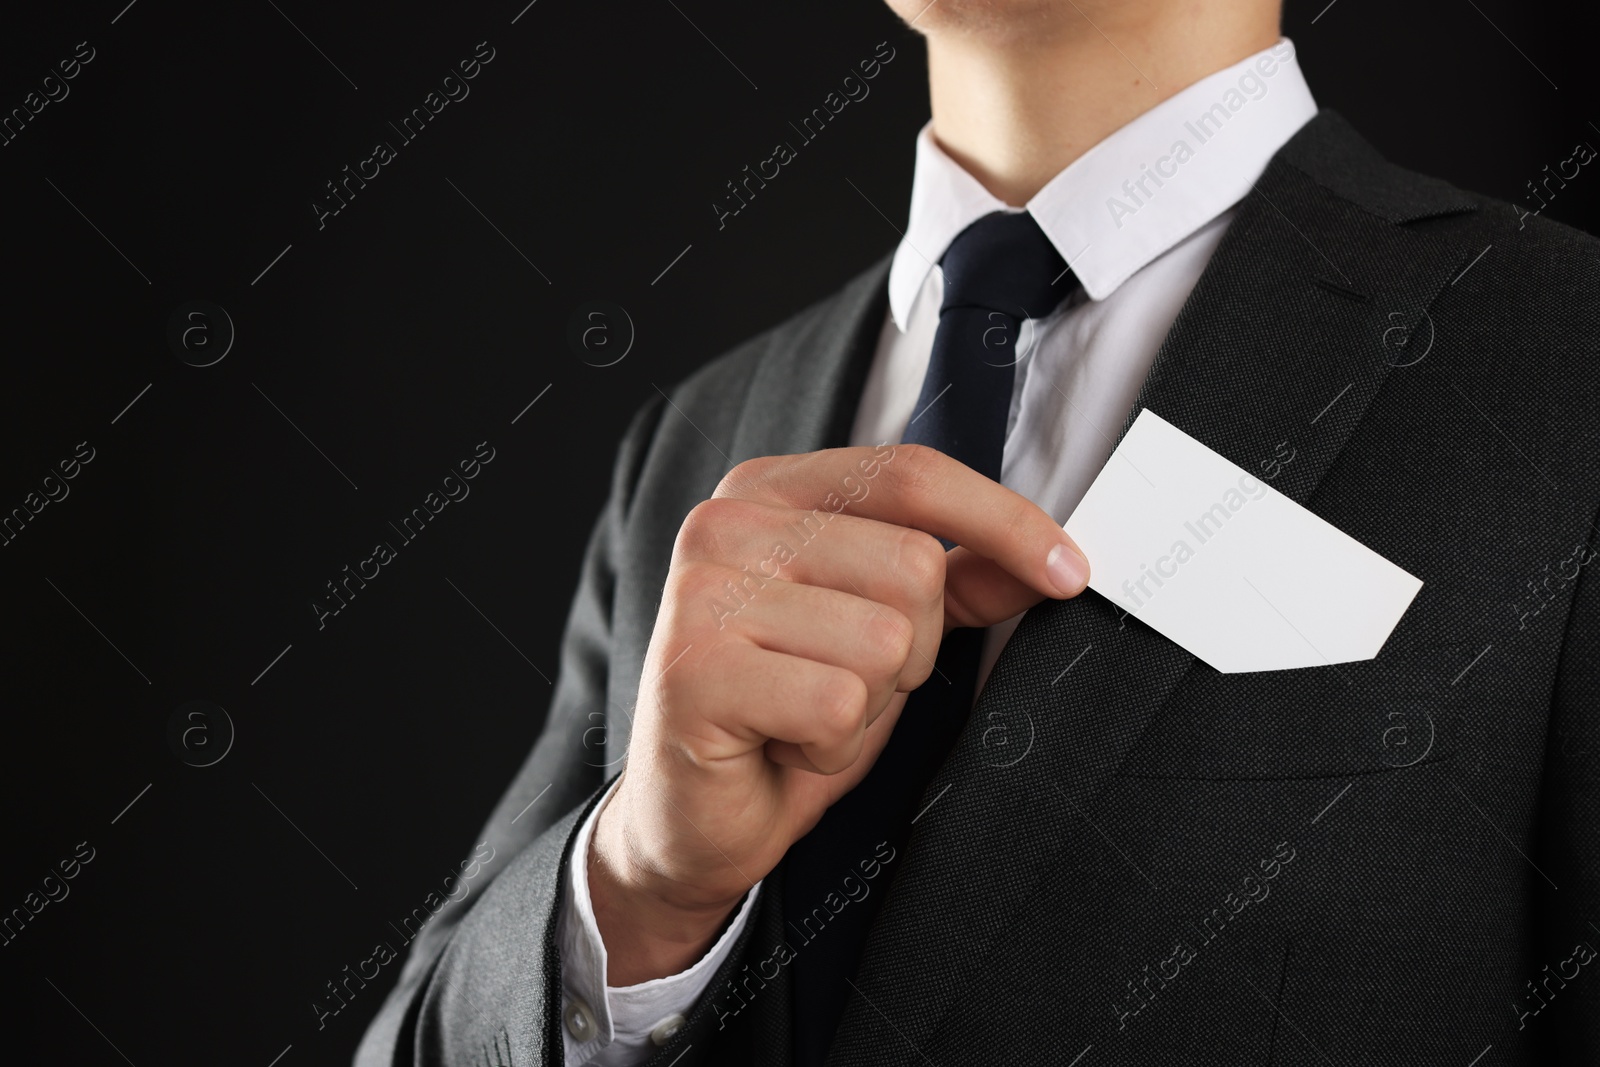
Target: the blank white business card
(1218, 561)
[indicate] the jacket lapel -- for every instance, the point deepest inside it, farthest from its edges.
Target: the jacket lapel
(1316, 294)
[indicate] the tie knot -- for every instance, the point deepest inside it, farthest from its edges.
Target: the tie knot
(1004, 262)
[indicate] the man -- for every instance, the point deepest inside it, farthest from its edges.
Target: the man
(1074, 842)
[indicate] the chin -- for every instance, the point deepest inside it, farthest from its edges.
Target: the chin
(1001, 18)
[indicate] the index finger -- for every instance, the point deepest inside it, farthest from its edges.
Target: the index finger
(921, 488)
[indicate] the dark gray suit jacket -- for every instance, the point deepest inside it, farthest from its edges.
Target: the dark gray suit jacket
(1140, 860)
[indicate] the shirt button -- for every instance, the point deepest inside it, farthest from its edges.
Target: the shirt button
(666, 1029)
(579, 1020)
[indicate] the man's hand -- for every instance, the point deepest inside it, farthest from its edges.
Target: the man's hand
(805, 599)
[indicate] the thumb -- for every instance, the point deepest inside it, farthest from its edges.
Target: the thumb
(980, 592)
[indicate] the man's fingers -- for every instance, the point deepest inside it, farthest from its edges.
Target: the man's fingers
(874, 641)
(743, 695)
(980, 592)
(924, 489)
(788, 754)
(752, 545)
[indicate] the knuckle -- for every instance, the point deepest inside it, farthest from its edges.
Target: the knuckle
(743, 477)
(920, 564)
(1024, 516)
(677, 711)
(704, 528)
(694, 593)
(841, 705)
(916, 470)
(886, 639)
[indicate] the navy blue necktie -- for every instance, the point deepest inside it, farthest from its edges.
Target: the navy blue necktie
(998, 272)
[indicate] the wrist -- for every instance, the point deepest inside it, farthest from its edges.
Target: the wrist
(652, 926)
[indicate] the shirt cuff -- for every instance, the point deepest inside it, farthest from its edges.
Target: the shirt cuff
(620, 1026)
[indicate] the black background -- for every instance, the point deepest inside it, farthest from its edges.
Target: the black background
(372, 356)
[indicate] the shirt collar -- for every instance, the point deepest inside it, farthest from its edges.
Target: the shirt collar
(1133, 196)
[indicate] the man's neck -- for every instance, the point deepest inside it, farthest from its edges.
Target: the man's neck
(1015, 109)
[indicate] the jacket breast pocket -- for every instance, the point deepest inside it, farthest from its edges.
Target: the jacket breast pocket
(1389, 714)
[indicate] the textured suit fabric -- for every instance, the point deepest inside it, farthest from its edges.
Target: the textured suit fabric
(1378, 862)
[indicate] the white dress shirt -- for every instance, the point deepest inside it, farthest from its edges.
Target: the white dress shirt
(1137, 218)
